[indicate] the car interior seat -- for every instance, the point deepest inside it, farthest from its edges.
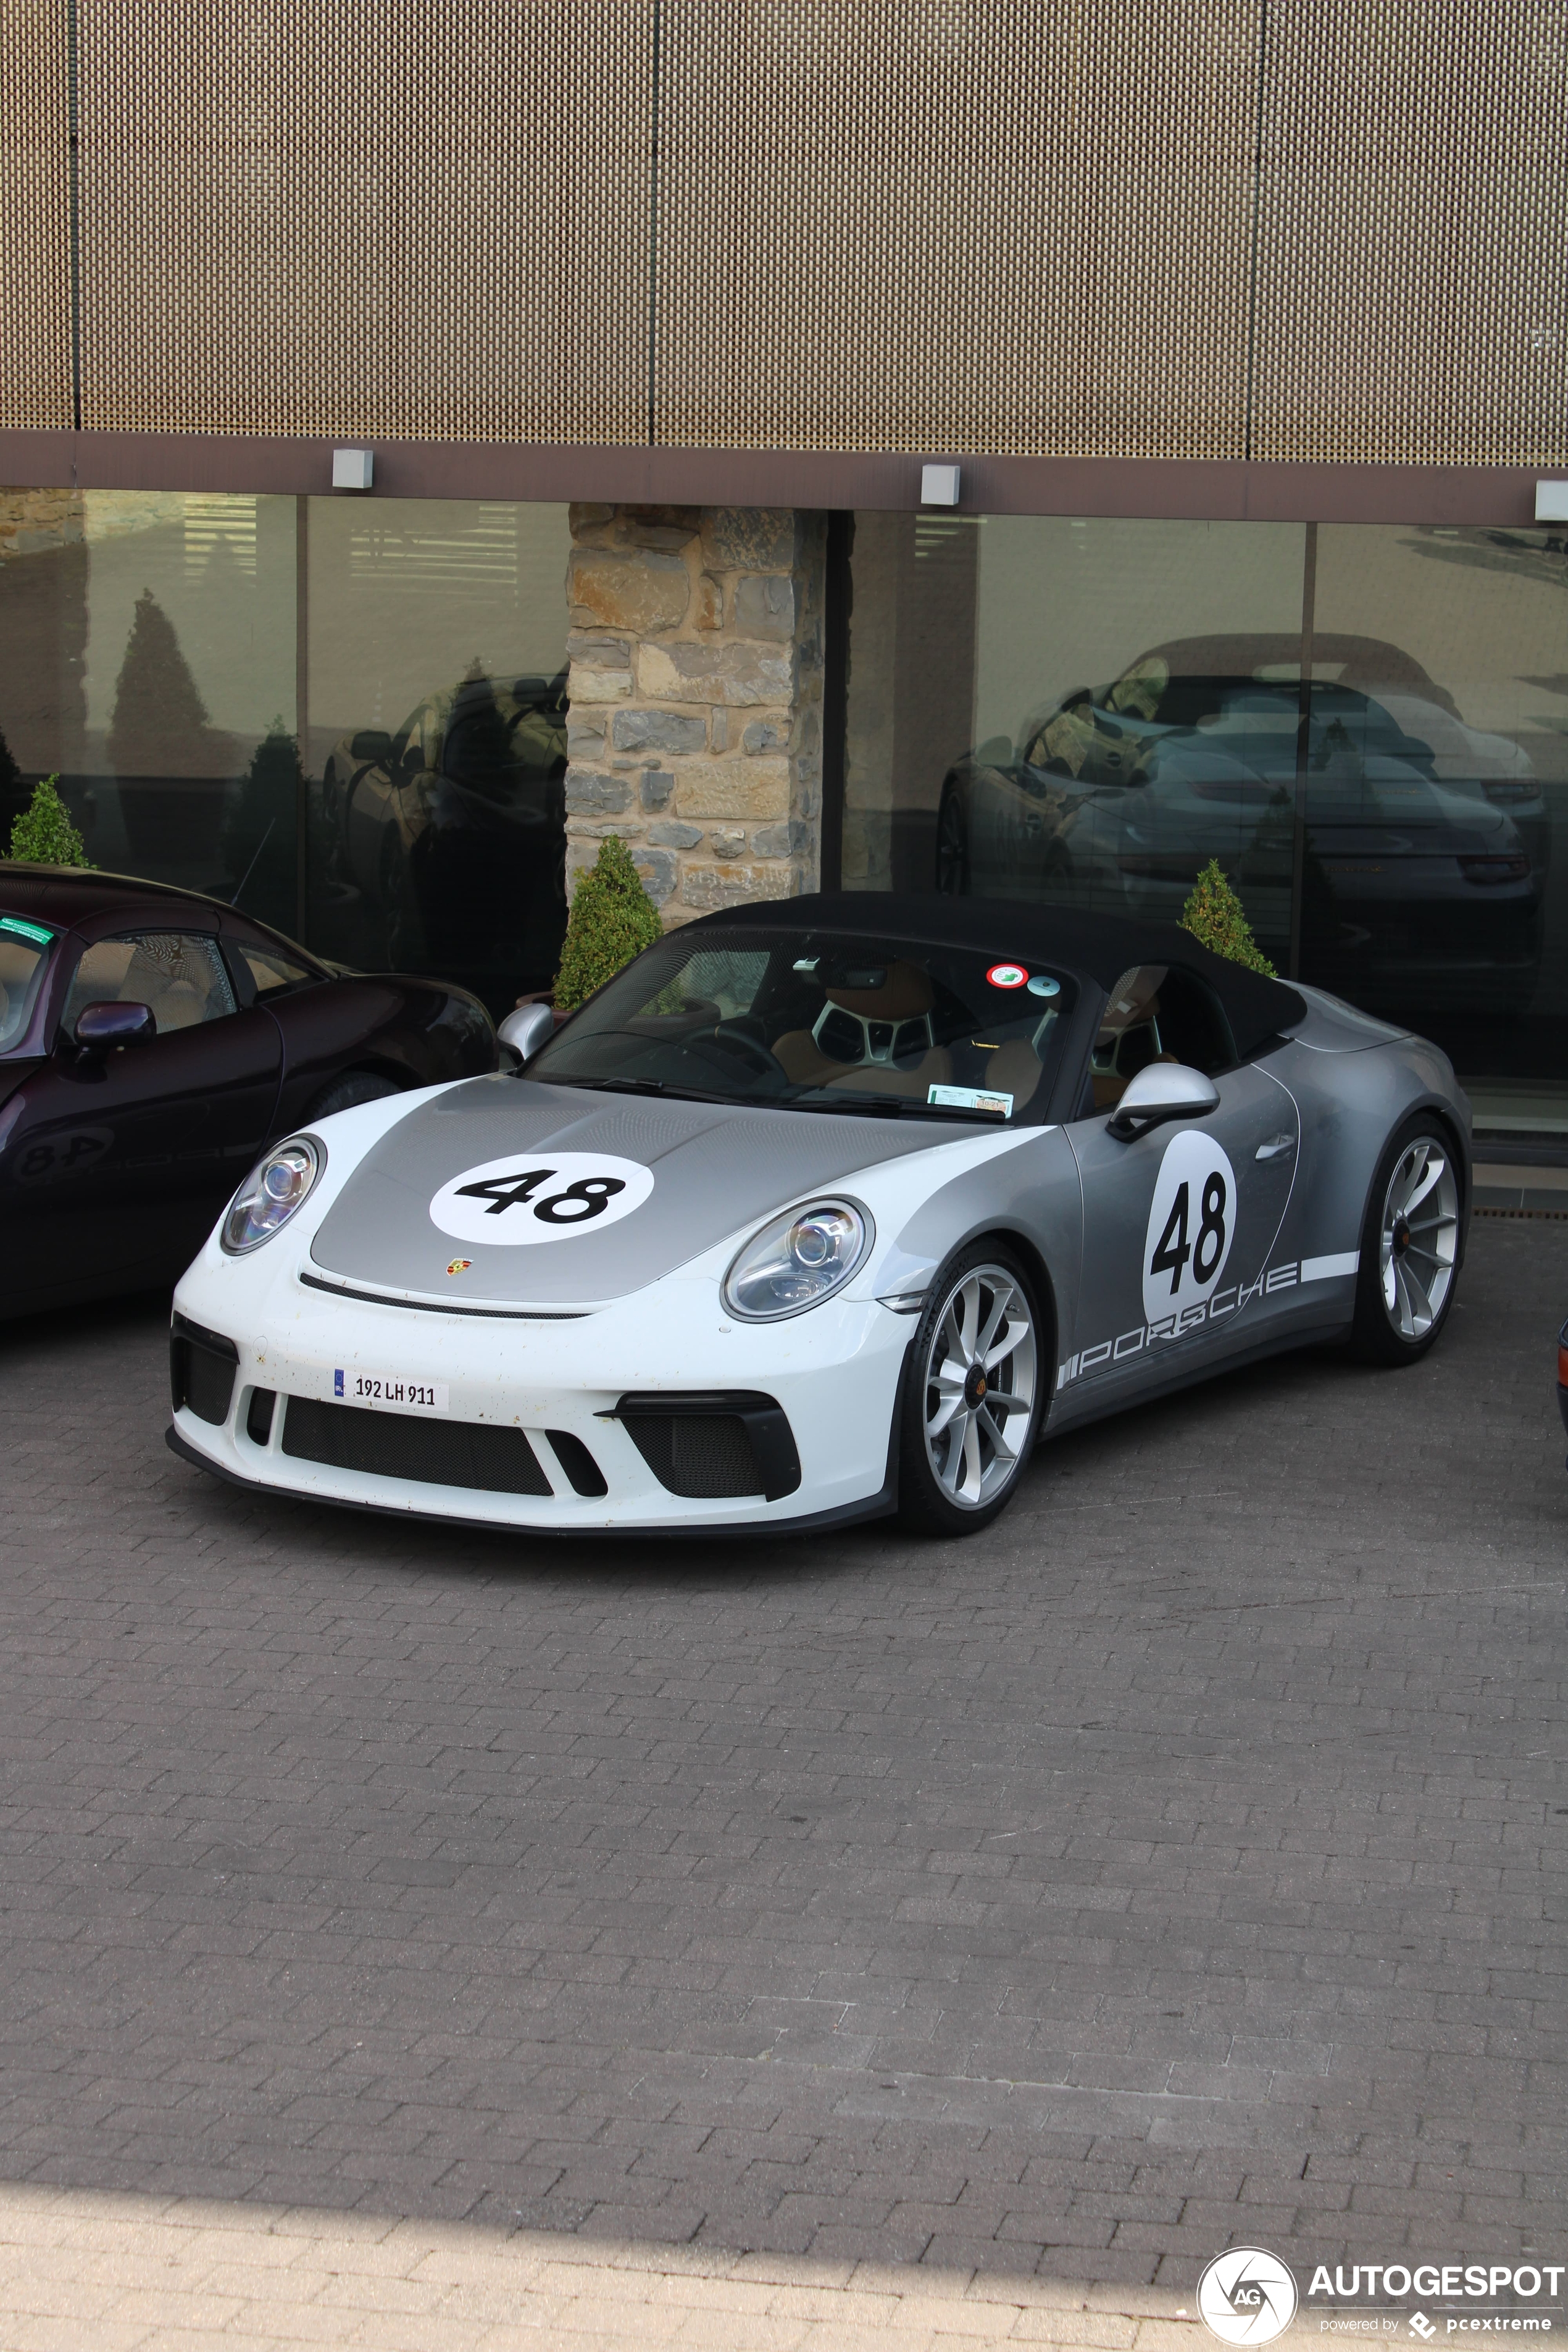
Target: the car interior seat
(1158, 1013)
(176, 981)
(877, 1040)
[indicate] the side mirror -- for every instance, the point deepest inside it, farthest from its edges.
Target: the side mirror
(527, 1029)
(1162, 1090)
(101, 1027)
(371, 744)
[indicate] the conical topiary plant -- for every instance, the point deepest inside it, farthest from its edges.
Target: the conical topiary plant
(1214, 914)
(44, 835)
(613, 919)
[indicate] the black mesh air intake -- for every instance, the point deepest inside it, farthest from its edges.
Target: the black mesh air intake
(398, 1445)
(730, 1442)
(202, 1368)
(705, 1456)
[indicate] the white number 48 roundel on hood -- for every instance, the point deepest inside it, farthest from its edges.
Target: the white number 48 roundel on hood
(540, 1196)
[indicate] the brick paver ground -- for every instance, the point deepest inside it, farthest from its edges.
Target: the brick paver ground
(1181, 1862)
(119, 2272)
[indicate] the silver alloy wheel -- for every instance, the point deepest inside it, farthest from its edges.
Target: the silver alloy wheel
(1418, 1237)
(980, 1375)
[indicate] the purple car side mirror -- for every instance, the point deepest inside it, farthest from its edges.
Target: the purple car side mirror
(101, 1027)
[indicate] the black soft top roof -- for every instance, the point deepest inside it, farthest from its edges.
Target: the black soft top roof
(1101, 946)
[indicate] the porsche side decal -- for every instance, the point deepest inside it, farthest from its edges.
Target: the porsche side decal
(1213, 1310)
(545, 1196)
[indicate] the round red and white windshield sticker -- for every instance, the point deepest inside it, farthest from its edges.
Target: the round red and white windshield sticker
(1006, 975)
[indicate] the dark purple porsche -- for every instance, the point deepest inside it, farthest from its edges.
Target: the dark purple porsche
(152, 1042)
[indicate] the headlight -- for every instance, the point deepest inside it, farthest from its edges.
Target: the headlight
(797, 1260)
(275, 1188)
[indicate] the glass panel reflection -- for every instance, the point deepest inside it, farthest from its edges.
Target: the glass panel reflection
(348, 717)
(1434, 894)
(437, 738)
(1365, 725)
(148, 655)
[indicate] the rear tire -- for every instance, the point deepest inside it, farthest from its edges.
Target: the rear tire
(348, 1093)
(1409, 1246)
(975, 1392)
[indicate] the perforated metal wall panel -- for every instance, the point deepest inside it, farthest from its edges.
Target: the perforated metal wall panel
(321, 216)
(35, 219)
(1325, 229)
(1411, 294)
(947, 224)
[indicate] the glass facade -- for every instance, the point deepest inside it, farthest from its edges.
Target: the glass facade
(348, 716)
(1366, 725)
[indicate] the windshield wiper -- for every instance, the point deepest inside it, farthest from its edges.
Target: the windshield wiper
(860, 1104)
(636, 1086)
(897, 1107)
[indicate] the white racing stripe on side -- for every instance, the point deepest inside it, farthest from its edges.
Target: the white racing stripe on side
(1328, 1269)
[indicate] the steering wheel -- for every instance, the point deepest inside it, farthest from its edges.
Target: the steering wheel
(740, 1042)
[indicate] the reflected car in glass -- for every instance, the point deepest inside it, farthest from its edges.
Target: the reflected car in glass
(152, 1042)
(455, 829)
(820, 1210)
(1425, 840)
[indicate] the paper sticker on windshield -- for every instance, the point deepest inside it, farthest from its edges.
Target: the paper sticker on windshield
(1006, 975)
(971, 1099)
(1192, 1222)
(540, 1196)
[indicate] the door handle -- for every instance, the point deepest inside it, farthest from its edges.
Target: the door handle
(1276, 1148)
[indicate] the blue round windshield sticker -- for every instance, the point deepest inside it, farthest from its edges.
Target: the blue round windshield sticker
(1043, 985)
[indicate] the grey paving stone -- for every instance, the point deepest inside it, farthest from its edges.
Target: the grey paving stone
(1182, 1863)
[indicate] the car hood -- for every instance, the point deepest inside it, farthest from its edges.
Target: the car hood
(716, 1169)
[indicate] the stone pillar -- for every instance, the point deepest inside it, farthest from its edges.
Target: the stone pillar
(696, 688)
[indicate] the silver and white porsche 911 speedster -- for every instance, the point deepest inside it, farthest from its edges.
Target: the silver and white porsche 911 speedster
(818, 1210)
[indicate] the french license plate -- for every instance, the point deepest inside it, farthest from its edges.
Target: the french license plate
(389, 1393)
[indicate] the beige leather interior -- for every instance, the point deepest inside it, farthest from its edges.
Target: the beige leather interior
(906, 996)
(181, 978)
(1012, 1069)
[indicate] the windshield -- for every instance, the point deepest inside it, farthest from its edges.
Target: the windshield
(23, 960)
(823, 1021)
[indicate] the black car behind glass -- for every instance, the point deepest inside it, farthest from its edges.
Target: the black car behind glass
(153, 1042)
(453, 832)
(1425, 839)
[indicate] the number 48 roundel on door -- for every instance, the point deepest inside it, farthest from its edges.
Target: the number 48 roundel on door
(1192, 1222)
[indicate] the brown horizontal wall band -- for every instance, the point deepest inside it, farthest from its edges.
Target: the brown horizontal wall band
(1150, 487)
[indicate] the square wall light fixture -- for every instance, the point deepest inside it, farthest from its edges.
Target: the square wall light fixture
(939, 486)
(353, 470)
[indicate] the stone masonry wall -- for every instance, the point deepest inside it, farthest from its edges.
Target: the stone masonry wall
(696, 688)
(33, 519)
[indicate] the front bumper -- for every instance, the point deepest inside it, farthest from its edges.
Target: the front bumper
(560, 1404)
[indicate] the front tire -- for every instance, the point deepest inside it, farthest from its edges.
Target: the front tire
(1409, 1246)
(974, 1395)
